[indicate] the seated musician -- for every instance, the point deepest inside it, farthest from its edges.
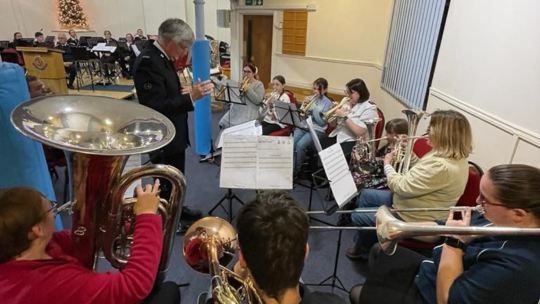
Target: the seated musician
(302, 138)
(40, 39)
(140, 35)
(349, 123)
(482, 269)
(109, 59)
(16, 37)
(438, 179)
(270, 121)
(67, 57)
(371, 175)
(273, 235)
(252, 95)
(73, 40)
(127, 58)
(36, 265)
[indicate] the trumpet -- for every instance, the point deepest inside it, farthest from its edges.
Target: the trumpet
(390, 231)
(243, 85)
(307, 105)
(329, 117)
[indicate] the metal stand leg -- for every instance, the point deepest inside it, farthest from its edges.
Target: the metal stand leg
(336, 281)
(230, 197)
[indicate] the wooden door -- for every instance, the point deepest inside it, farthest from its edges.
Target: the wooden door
(257, 46)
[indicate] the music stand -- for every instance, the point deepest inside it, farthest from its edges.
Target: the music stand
(81, 56)
(231, 96)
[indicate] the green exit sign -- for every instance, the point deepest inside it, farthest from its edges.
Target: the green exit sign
(254, 2)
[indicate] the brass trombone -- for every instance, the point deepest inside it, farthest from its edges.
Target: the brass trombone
(390, 231)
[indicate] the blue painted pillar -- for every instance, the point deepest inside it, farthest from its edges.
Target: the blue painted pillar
(200, 56)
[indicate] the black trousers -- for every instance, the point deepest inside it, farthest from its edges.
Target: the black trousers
(268, 128)
(124, 63)
(164, 293)
(391, 278)
(72, 71)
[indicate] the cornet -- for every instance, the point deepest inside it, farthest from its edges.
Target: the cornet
(329, 117)
(268, 103)
(243, 85)
(307, 105)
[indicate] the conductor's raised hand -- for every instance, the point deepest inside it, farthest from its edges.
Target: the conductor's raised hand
(200, 89)
(147, 199)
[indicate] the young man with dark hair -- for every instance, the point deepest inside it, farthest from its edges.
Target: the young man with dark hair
(273, 234)
(40, 39)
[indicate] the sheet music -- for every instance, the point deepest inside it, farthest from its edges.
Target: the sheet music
(247, 128)
(102, 47)
(275, 162)
(337, 172)
(256, 162)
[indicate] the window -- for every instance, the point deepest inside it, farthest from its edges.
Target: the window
(294, 32)
(411, 50)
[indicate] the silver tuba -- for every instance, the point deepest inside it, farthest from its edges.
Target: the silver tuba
(98, 134)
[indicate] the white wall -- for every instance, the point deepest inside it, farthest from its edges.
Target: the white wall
(489, 69)
(118, 16)
(346, 40)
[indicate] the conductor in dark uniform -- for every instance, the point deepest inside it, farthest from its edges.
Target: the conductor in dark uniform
(158, 87)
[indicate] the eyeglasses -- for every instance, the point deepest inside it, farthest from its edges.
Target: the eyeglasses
(347, 92)
(247, 71)
(53, 209)
(484, 202)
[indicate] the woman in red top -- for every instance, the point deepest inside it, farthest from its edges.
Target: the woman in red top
(36, 265)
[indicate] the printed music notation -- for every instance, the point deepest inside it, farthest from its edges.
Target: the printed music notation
(337, 172)
(256, 162)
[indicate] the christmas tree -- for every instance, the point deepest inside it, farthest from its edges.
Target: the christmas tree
(71, 14)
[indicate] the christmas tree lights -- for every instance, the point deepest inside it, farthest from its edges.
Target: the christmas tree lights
(71, 15)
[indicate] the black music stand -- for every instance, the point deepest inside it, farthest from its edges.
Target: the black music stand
(81, 56)
(229, 93)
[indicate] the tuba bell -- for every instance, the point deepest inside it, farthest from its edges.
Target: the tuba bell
(209, 246)
(98, 134)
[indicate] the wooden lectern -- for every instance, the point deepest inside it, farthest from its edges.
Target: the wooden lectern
(47, 65)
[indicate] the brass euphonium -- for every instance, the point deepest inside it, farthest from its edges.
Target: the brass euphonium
(307, 105)
(209, 246)
(329, 117)
(403, 159)
(98, 135)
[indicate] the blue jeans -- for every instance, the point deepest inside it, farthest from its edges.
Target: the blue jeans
(369, 199)
(302, 141)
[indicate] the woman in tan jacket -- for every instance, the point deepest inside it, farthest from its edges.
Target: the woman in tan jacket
(438, 179)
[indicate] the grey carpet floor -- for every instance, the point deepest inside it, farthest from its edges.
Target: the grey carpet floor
(203, 192)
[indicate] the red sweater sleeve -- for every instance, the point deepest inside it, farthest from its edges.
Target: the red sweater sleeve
(135, 282)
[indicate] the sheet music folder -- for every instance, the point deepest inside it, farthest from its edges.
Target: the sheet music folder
(257, 162)
(338, 174)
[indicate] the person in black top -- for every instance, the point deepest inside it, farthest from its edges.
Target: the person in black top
(73, 40)
(158, 87)
(273, 234)
(109, 59)
(40, 40)
(140, 35)
(127, 57)
(67, 56)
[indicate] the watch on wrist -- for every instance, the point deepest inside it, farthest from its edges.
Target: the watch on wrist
(454, 242)
(345, 118)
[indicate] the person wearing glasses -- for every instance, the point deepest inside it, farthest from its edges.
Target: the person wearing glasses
(349, 124)
(251, 93)
(470, 269)
(37, 266)
(159, 88)
(438, 179)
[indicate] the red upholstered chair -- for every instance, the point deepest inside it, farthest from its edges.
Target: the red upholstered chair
(421, 147)
(288, 129)
(468, 198)
(379, 128)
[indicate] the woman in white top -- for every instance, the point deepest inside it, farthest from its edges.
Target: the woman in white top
(252, 96)
(270, 122)
(349, 125)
